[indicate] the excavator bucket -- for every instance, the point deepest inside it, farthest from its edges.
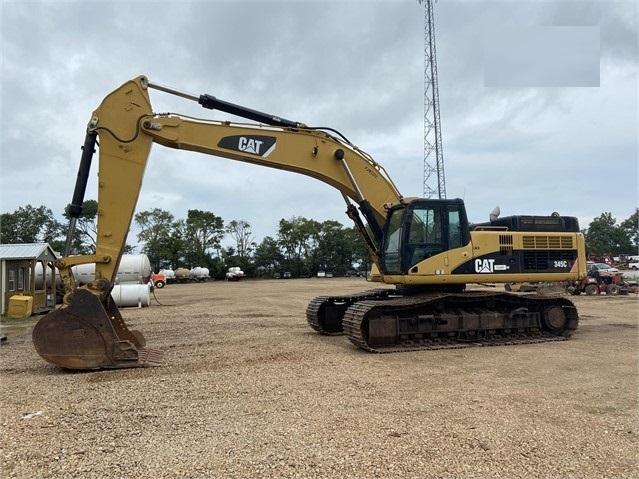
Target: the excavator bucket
(85, 334)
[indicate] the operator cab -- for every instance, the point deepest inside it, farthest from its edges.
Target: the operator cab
(420, 229)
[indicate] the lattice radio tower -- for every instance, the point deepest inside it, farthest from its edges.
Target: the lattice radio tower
(434, 179)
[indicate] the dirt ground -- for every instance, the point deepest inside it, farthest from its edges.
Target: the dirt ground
(247, 390)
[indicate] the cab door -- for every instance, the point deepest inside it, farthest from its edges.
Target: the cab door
(421, 230)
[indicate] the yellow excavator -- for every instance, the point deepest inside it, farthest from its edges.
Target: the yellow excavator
(425, 247)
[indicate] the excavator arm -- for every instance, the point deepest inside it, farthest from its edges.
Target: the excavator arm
(88, 331)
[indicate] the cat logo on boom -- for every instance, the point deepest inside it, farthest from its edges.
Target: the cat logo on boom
(252, 144)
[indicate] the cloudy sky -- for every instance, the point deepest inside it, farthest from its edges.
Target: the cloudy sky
(538, 99)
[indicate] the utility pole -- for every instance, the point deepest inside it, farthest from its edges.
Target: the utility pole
(434, 179)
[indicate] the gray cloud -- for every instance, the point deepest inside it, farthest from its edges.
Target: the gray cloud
(355, 66)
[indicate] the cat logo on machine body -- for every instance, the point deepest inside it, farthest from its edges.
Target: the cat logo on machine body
(258, 145)
(488, 266)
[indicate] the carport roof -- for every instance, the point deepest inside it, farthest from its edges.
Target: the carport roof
(39, 251)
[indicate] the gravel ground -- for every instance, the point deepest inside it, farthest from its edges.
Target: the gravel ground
(248, 390)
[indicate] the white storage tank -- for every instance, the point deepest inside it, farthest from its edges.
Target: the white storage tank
(134, 268)
(234, 273)
(131, 295)
(169, 274)
(199, 274)
(38, 276)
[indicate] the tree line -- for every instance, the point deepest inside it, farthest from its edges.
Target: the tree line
(301, 246)
(604, 237)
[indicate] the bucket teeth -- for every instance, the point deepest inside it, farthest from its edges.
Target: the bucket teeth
(150, 358)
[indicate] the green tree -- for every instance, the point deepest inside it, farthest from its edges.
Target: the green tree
(157, 234)
(296, 239)
(31, 225)
(204, 232)
(240, 232)
(217, 265)
(267, 257)
(174, 246)
(335, 248)
(603, 237)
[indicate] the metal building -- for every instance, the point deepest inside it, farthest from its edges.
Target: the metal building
(18, 263)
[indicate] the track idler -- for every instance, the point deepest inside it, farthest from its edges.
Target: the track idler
(87, 334)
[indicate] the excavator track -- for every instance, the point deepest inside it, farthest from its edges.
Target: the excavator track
(456, 320)
(324, 314)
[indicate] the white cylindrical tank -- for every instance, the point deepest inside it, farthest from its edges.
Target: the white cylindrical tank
(199, 273)
(83, 273)
(39, 276)
(134, 268)
(168, 273)
(234, 273)
(131, 295)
